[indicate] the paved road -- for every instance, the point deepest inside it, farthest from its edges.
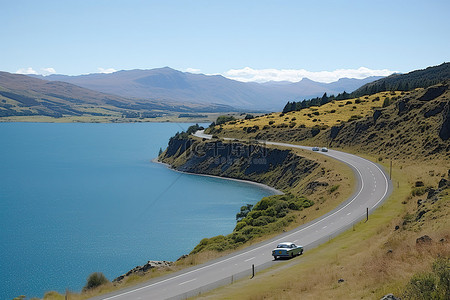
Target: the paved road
(373, 187)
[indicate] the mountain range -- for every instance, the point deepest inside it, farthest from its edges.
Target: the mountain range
(166, 84)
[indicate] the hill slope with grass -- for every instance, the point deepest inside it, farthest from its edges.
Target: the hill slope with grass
(391, 124)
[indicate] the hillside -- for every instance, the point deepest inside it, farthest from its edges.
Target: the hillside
(171, 85)
(414, 124)
(22, 95)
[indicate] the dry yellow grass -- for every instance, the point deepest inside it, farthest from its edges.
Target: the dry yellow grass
(326, 115)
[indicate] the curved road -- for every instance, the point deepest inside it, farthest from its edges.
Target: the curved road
(373, 187)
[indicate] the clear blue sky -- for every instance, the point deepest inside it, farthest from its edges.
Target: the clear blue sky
(84, 36)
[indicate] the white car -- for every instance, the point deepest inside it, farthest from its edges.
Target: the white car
(287, 249)
(324, 149)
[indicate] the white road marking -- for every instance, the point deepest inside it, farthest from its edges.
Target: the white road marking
(250, 259)
(324, 227)
(349, 214)
(188, 281)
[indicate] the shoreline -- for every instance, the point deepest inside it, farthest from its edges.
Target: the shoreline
(261, 185)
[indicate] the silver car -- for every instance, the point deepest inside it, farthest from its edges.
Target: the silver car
(286, 249)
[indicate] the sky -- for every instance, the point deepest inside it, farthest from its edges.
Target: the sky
(243, 40)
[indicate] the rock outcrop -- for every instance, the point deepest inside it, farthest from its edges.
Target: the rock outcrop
(141, 270)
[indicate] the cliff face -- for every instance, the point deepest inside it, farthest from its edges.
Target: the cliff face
(280, 169)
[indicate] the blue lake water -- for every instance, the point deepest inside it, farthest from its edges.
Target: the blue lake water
(82, 198)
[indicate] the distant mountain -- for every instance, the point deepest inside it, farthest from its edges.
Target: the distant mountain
(166, 84)
(406, 82)
(22, 95)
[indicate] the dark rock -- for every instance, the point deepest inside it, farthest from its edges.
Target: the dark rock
(389, 297)
(334, 131)
(433, 93)
(424, 240)
(182, 257)
(419, 183)
(434, 111)
(419, 202)
(314, 184)
(397, 227)
(389, 251)
(341, 280)
(442, 240)
(444, 132)
(376, 115)
(141, 270)
(401, 107)
(420, 214)
(443, 183)
(431, 193)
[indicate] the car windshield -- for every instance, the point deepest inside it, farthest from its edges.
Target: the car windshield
(283, 246)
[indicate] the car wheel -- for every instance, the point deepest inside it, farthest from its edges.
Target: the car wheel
(275, 258)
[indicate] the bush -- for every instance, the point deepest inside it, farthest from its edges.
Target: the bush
(433, 285)
(95, 280)
(419, 191)
(333, 189)
(223, 119)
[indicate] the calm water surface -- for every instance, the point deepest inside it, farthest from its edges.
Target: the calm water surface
(82, 198)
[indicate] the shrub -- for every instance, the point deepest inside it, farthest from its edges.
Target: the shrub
(433, 285)
(419, 191)
(223, 119)
(333, 189)
(271, 122)
(95, 280)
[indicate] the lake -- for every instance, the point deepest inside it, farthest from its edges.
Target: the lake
(82, 198)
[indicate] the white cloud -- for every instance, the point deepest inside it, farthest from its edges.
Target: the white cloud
(48, 71)
(192, 70)
(263, 75)
(107, 71)
(27, 71)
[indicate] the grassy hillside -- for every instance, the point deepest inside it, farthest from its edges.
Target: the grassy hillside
(330, 114)
(414, 124)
